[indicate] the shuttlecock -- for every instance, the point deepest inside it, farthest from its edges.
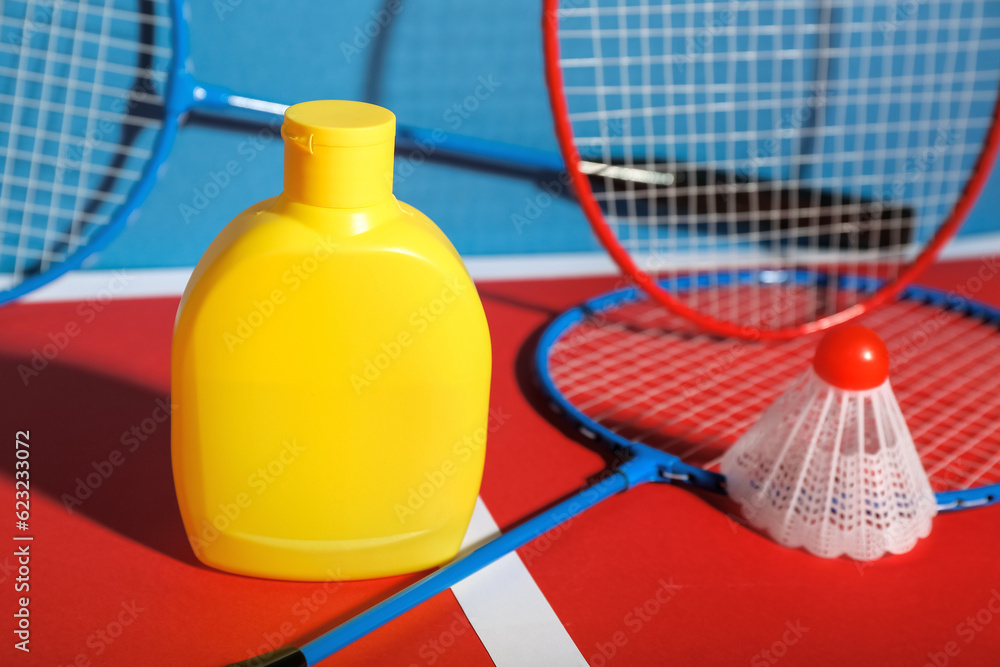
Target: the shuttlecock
(831, 466)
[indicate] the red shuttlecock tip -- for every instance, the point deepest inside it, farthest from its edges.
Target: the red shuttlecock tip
(852, 357)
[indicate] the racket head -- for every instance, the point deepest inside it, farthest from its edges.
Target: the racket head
(810, 172)
(88, 140)
(635, 376)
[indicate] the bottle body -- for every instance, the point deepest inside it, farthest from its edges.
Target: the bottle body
(330, 376)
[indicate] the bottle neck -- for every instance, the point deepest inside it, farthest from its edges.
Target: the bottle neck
(337, 176)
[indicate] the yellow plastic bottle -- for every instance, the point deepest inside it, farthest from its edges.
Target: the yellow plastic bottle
(330, 371)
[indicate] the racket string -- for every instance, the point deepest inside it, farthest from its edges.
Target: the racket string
(640, 372)
(76, 83)
(834, 139)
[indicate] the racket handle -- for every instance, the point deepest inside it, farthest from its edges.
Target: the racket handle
(494, 155)
(631, 473)
(286, 657)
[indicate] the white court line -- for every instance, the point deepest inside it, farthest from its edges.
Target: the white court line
(142, 283)
(507, 609)
(104, 285)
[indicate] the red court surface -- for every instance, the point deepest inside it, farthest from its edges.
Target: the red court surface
(114, 582)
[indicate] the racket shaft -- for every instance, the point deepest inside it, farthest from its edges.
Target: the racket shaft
(428, 143)
(630, 474)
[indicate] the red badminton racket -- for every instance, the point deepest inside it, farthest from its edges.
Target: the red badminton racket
(801, 149)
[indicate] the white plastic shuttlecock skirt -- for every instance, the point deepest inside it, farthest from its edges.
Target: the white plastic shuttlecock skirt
(833, 471)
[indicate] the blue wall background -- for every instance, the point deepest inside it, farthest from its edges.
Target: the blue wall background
(429, 57)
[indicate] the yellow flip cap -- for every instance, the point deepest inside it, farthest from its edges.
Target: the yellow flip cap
(338, 153)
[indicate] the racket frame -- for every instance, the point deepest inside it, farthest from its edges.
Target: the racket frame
(887, 292)
(174, 98)
(677, 470)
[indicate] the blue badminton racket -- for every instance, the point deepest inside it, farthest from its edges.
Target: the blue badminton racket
(668, 400)
(91, 97)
